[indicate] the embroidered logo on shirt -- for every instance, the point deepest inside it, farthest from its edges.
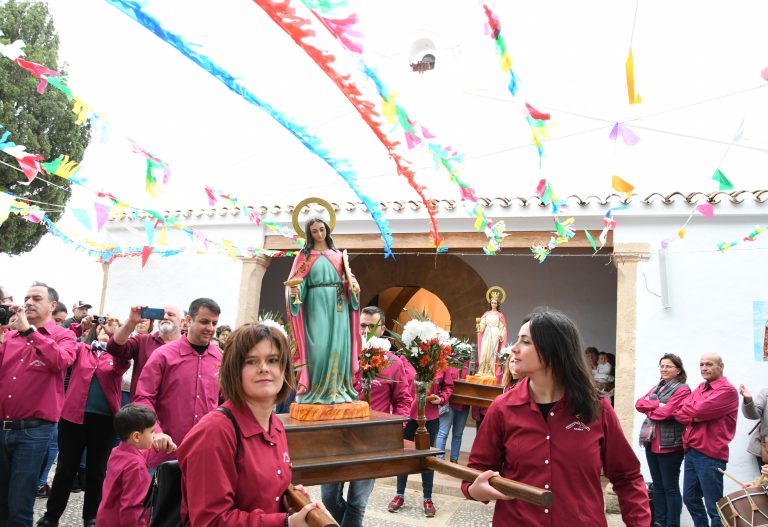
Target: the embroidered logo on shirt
(578, 426)
(37, 363)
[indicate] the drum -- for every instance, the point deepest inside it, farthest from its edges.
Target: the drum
(745, 508)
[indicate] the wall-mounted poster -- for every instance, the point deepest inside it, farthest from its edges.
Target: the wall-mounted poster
(761, 330)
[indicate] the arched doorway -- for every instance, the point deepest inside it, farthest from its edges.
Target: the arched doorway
(456, 283)
(399, 302)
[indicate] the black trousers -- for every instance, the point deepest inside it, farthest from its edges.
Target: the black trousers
(97, 435)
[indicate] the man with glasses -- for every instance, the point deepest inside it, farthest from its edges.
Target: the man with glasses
(386, 396)
(35, 355)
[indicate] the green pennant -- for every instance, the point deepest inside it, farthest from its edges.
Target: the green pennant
(722, 180)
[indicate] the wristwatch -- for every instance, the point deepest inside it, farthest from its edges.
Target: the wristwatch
(28, 331)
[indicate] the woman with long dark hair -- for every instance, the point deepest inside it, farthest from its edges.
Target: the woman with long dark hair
(553, 431)
(662, 438)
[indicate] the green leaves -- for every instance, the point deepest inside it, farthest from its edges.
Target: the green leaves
(43, 123)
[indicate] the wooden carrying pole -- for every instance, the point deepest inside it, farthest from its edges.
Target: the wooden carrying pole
(514, 489)
(316, 517)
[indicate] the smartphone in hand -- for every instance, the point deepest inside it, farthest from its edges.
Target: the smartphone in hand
(154, 313)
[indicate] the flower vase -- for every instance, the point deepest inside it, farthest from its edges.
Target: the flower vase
(421, 439)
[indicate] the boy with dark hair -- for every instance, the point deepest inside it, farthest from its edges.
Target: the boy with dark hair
(127, 478)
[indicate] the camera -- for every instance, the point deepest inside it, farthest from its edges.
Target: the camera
(5, 315)
(99, 320)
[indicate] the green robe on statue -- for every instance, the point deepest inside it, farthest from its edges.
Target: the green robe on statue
(325, 322)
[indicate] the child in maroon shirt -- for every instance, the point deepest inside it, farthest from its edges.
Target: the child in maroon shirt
(127, 478)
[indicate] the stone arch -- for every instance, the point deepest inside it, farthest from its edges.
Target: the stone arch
(458, 285)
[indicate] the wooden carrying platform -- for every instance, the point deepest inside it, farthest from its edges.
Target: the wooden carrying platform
(366, 448)
(472, 394)
(351, 449)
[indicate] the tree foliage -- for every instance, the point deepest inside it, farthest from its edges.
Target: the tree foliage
(45, 123)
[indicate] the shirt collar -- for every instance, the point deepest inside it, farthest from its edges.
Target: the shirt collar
(186, 348)
(519, 395)
(250, 427)
(714, 384)
(49, 327)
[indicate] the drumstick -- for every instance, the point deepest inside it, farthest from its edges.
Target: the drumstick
(743, 485)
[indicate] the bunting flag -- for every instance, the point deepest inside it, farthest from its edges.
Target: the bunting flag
(634, 98)
(629, 137)
(619, 185)
(705, 209)
(253, 216)
(591, 240)
(722, 181)
(501, 48)
(298, 28)
(764, 74)
(726, 246)
(609, 222)
(564, 230)
(63, 167)
(445, 157)
(108, 252)
(12, 51)
(145, 252)
(154, 165)
(537, 121)
(342, 167)
(40, 72)
(102, 214)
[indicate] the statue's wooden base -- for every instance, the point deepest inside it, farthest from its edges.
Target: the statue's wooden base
(327, 412)
(351, 449)
(477, 379)
(474, 394)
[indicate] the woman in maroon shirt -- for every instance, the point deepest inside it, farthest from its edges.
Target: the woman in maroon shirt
(222, 486)
(553, 431)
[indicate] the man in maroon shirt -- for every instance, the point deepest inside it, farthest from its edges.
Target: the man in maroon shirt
(710, 418)
(34, 356)
(139, 347)
(385, 396)
(180, 379)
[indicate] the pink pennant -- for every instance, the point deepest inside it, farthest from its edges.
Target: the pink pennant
(541, 187)
(706, 209)
(764, 74)
(426, 133)
(34, 217)
(468, 194)
(102, 214)
(30, 165)
(411, 140)
(211, 196)
(38, 71)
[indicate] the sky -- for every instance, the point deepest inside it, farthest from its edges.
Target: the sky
(697, 67)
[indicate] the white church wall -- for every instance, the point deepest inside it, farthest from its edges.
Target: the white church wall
(711, 310)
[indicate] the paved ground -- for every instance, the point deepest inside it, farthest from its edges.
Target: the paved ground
(452, 509)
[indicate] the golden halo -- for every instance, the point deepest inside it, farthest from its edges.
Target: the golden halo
(495, 288)
(303, 203)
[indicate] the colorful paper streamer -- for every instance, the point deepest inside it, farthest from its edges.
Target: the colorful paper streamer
(341, 166)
